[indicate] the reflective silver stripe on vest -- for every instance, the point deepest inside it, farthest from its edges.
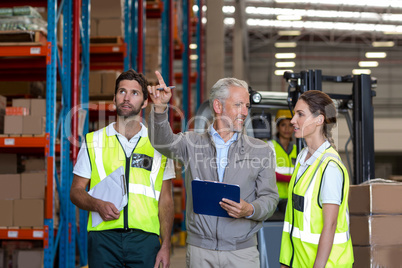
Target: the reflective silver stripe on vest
(284, 170)
(98, 148)
(305, 236)
(149, 190)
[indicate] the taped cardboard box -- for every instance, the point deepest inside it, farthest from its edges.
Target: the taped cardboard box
(375, 198)
(33, 124)
(29, 258)
(377, 256)
(33, 185)
(381, 230)
(6, 212)
(38, 107)
(10, 186)
(28, 212)
(13, 124)
(34, 164)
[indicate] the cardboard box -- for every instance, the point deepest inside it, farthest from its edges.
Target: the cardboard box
(29, 258)
(395, 177)
(106, 9)
(38, 107)
(13, 124)
(110, 27)
(109, 82)
(10, 186)
(6, 212)
(95, 83)
(33, 124)
(34, 164)
(22, 103)
(8, 163)
(375, 198)
(28, 212)
(381, 230)
(17, 111)
(3, 102)
(377, 256)
(33, 185)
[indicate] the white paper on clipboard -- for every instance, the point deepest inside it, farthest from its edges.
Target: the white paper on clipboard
(111, 189)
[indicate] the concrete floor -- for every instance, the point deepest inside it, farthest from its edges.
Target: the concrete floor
(178, 257)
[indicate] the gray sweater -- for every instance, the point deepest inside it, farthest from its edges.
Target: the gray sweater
(251, 165)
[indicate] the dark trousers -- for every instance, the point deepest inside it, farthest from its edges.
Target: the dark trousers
(122, 249)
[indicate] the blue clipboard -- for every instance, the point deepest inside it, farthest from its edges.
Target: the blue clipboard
(208, 194)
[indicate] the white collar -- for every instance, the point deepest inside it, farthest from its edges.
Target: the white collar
(110, 131)
(315, 155)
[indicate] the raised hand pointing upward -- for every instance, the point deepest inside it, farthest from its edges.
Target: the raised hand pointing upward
(160, 97)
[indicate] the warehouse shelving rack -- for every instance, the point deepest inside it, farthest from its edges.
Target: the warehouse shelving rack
(39, 62)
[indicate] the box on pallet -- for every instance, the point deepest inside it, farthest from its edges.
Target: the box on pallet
(382, 230)
(377, 256)
(6, 212)
(10, 186)
(13, 124)
(28, 212)
(375, 198)
(33, 185)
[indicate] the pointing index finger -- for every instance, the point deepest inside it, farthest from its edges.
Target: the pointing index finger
(160, 79)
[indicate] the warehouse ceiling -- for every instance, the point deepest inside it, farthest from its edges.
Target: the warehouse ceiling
(339, 22)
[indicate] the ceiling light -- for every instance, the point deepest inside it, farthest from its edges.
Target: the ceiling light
(368, 63)
(383, 44)
(193, 57)
(281, 72)
(193, 46)
(195, 8)
(228, 9)
(376, 55)
(285, 44)
(374, 3)
(288, 17)
(285, 64)
(229, 21)
(323, 25)
(361, 71)
(285, 55)
(289, 33)
(392, 33)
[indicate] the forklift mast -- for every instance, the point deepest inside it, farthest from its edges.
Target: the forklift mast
(361, 99)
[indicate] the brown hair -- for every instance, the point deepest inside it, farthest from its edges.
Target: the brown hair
(321, 103)
(133, 75)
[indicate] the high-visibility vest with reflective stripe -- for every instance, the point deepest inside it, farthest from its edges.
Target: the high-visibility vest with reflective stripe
(145, 176)
(284, 165)
(304, 218)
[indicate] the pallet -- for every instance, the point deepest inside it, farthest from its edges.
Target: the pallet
(22, 38)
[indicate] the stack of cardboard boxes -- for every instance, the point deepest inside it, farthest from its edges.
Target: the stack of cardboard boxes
(26, 116)
(375, 224)
(22, 200)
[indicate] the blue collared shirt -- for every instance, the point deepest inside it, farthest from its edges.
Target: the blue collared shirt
(222, 150)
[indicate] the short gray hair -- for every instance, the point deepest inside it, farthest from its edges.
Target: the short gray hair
(220, 90)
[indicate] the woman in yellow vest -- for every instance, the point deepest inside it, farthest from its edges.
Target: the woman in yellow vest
(285, 151)
(316, 226)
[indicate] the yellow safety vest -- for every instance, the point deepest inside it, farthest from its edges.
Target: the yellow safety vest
(284, 165)
(144, 173)
(304, 218)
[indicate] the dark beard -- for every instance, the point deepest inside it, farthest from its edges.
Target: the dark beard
(133, 113)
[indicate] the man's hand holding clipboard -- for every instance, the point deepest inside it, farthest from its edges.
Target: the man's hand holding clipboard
(219, 199)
